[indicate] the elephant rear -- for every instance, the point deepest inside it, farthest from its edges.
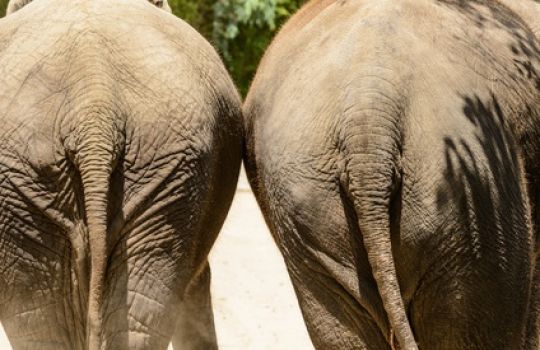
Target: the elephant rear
(122, 144)
(386, 155)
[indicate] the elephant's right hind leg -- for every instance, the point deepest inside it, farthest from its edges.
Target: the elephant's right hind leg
(334, 320)
(195, 328)
(452, 312)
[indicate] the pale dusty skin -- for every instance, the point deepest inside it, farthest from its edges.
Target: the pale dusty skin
(121, 146)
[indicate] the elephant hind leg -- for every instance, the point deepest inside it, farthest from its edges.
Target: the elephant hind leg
(334, 319)
(195, 327)
(463, 306)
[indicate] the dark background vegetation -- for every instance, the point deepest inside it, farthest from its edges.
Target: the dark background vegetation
(239, 29)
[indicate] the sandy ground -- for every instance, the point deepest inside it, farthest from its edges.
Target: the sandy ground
(254, 303)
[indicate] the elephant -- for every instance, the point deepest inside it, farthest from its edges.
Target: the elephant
(121, 143)
(15, 5)
(393, 150)
(530, 12)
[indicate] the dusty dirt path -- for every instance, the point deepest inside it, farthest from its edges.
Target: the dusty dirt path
(254, 303)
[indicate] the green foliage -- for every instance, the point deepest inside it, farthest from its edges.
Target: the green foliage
(239, 29)
(3, 5)
(230, 15)
(242, 31)
(198, 13)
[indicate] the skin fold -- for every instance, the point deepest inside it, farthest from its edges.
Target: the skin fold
(121, 140)
(393, 149)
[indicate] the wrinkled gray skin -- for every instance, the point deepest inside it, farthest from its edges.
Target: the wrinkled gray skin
(530, 12)
(121, 145)
(390, 144)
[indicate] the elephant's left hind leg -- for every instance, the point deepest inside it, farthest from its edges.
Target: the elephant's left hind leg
(195, 328)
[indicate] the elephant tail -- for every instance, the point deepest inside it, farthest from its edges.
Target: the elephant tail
(97, 150)
(370, 176)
